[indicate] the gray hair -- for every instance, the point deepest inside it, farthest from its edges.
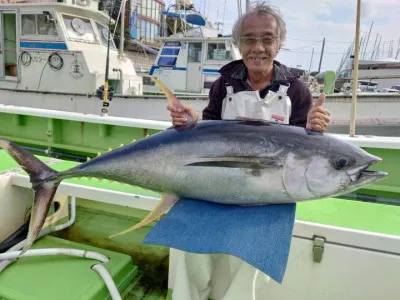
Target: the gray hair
(261, 9)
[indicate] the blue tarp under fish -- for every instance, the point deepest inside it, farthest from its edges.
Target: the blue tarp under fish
(259, 235)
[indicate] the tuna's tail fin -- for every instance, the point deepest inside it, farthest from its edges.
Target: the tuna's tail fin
(45, 189)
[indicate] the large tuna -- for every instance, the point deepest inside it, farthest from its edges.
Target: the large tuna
(236, 162)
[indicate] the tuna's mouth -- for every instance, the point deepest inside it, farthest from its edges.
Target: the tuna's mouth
(370, 173)
(364, 174)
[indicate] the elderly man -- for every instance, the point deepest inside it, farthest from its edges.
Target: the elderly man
(253, 87)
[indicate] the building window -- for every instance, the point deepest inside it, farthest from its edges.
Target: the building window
(148, 13)
(143, 29)
(217, 51)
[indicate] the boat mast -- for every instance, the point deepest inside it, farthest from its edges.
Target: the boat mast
(355, 73)
(122, 34)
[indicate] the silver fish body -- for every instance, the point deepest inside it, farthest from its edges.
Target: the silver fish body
(229, 162)
(236, 162)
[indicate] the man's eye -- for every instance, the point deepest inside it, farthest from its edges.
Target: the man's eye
(268, 40)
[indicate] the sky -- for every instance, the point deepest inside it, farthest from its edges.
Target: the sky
(308, 22)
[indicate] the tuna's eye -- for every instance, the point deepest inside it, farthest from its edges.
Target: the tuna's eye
(341, 162)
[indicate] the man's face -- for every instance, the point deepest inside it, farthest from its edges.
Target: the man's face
(258, 54)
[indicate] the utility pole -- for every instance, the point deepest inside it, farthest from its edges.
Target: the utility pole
(322, 54)
(312, 55)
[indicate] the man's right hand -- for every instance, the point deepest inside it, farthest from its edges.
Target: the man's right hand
(179, 116)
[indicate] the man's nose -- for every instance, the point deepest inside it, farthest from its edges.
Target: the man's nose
(259, 46)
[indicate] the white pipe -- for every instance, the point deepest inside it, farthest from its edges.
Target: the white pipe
(11, 256)
(121, 79)
(55, 251)
(73, 116)
(112, 288)
(46, 231)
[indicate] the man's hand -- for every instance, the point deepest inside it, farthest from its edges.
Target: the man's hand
(178, 115)
(318, 117)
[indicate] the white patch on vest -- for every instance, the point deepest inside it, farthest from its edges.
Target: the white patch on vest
(275, 107)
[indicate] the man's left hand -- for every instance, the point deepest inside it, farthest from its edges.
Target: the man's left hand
(318, 117)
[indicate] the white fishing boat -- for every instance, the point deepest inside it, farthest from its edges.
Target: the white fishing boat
(379, 74)
(59, 47)
(189, 62)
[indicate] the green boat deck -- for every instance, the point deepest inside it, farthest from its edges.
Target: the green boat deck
(95, 221)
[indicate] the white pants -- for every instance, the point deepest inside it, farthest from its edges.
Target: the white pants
(218, 276)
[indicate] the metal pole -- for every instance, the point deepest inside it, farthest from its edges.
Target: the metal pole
(398, 49)
(122, 34)
(366, 44)
(355, 74)
(312, 55)
(374, 49)
(177, 11)
(247, 6)
(322, 54)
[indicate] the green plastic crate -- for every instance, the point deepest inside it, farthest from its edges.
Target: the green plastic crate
(64, 277)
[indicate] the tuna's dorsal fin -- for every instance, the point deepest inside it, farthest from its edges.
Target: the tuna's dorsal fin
(166, 202)
(237, 162)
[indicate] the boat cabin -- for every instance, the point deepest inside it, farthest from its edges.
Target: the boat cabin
(189, 63)
(60, 46)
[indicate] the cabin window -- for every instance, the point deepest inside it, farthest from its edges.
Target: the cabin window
(35, 24)
(170, 51)
(194, 52)
(169, 54)
(103, 32)
(79, 29)
(167, 61)
(218, 51)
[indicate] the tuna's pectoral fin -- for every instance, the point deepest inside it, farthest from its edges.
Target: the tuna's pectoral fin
(237, 162)
(166, 202)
